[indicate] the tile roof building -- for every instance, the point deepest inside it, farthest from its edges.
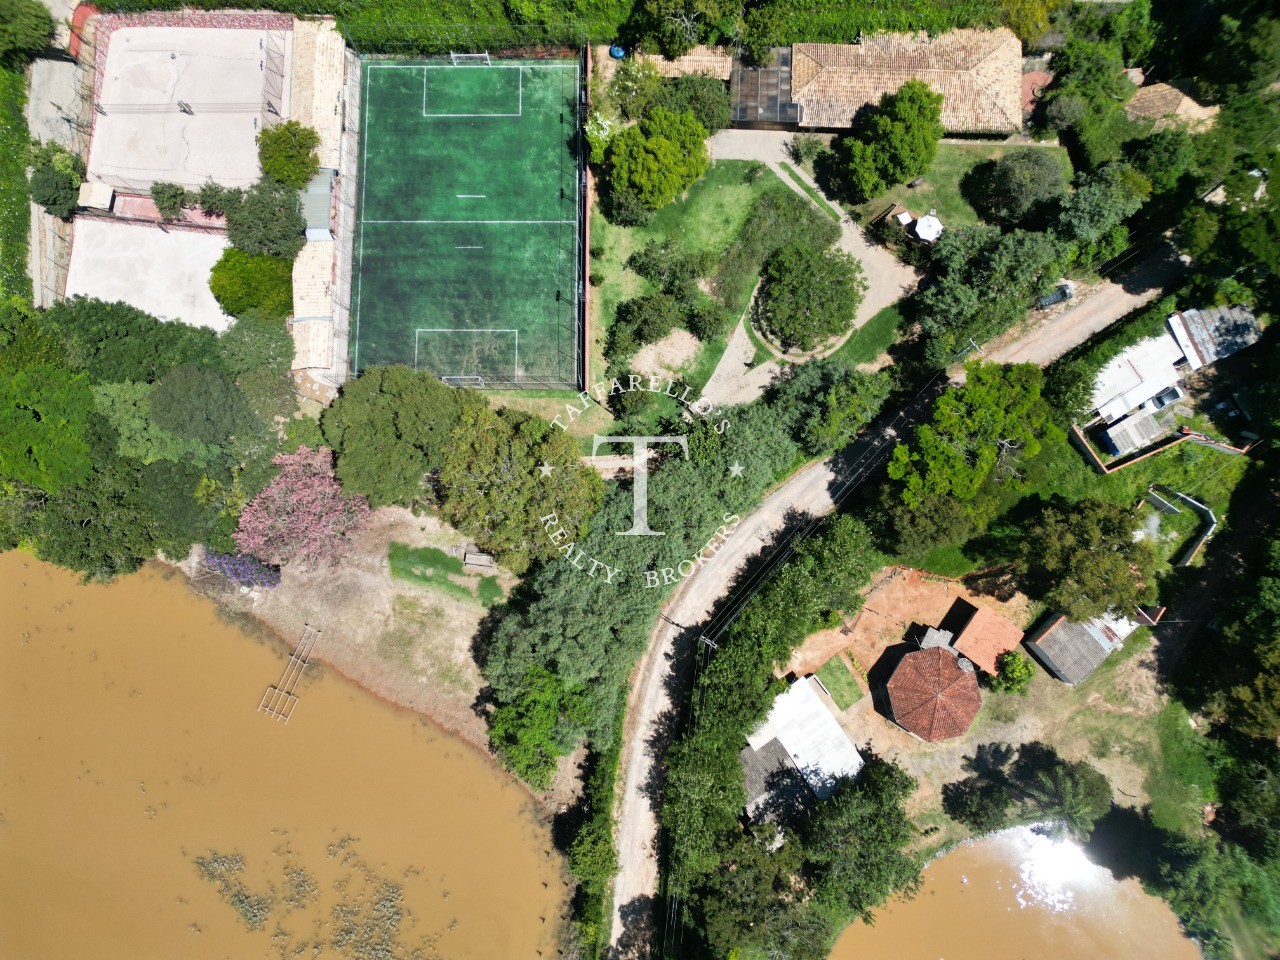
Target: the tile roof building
(985, 637)
(1167, 105)
(932, 695)
(978, 73)
(799, 742)
(1072, 651)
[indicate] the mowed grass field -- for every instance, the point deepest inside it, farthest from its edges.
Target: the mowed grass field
(466, 258)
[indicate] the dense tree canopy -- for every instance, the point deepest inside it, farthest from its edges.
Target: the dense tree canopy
(976, 431)
(26, 30)
(503, 472)
(653, 161)
(127, 407)
(200, 403)
(1083, 559)
(1021, 186)
(44, 410)
(808, 294)
(390, 428)
(267, 219)
(114, 341)
(252, 283)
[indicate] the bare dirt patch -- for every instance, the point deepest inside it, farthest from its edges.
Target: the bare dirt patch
(1109, 720)
(665, 357)
(406, 643)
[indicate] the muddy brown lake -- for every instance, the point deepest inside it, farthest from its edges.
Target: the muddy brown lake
(1020, 896)
(147, 809)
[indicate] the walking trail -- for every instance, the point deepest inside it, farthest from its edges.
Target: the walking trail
(888, 279)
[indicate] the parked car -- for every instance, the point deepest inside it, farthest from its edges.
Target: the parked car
(1059, 294)
(1162, 400)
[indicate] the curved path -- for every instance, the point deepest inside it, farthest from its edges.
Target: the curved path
(809, 494)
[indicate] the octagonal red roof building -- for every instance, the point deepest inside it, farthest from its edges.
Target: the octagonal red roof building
(932, 695)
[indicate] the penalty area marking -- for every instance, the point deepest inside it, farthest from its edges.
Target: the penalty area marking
(515, 359)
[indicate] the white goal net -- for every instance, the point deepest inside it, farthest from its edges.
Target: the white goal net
(470, 59)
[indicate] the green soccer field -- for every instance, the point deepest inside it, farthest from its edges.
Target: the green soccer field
(467, 261)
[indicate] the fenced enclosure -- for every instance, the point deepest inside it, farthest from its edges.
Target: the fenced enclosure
(468, 258)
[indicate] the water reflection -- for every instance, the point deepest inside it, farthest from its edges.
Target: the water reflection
(1017, 895)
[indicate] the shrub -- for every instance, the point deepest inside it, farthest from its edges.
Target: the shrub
(634, 87)
(215, 199)
(241, 570)
(248, 282)
(169, 199)
(805, 147)
(1016, 672)
(707, 98)
(808, 294)
(287, 153)
(656, 160)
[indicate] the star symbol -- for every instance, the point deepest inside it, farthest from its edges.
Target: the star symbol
(546, 469)
(737, 469)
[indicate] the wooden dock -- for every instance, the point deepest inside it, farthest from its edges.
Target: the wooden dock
(279, 701)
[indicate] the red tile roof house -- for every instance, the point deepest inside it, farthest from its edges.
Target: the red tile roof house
(985, 637)
(932, 695)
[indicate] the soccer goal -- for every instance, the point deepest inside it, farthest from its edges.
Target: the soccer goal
(470, 59)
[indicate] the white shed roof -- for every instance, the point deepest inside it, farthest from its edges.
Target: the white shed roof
(812, 737)
(1139, 373)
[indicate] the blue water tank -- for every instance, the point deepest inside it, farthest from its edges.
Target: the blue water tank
(617, 52)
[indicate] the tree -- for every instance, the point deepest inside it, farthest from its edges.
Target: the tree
(169, 199)
(1021, 185)
(127, 407)
(26, 30)
(200, 403)
(1015, 673)
(250, 282)
(642, 320)
(1073, 795)
(44, 411)
(287, 153)
(524, 732)
(1082, 559)
(977, 431)
(1029, 19)
(1102, 201)
(55, 190)
(1164, 158)
(634, 87)
(658, 158)
(267, 219)
(895, 142)
(497, 491)
(979, 802)
(114, 341)
(390, 428)
(856, 841)
(302, 516)
(829, 403)
(109, 523)
(808, 294)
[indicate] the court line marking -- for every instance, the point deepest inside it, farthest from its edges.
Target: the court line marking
(417, 333)
(434, 116)
(468, 221)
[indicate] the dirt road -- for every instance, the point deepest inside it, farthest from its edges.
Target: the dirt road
(810, 493)
(1101, 306)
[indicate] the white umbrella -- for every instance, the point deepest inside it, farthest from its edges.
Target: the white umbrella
(928, 228)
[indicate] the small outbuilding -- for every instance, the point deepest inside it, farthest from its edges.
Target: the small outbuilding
(933, 694)
(985, 637)
(1072, 651)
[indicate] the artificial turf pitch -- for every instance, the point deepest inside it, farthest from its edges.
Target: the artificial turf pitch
(467, 255)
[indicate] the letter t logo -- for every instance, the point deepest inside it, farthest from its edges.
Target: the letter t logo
(640, 485)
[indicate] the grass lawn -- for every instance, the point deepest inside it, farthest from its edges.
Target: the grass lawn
(705, 219)
(550, 403)
(14, 216)
(840, 682)
(429, 567)
(871, 339)
(813, 194)
(941, 189)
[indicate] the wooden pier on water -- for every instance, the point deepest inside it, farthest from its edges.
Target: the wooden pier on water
(280, 700)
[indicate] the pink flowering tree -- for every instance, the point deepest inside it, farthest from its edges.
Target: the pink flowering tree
(302, 516)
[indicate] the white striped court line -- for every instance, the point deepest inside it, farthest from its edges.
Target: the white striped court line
(471, 196)
(468, 221)
(468, 248)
